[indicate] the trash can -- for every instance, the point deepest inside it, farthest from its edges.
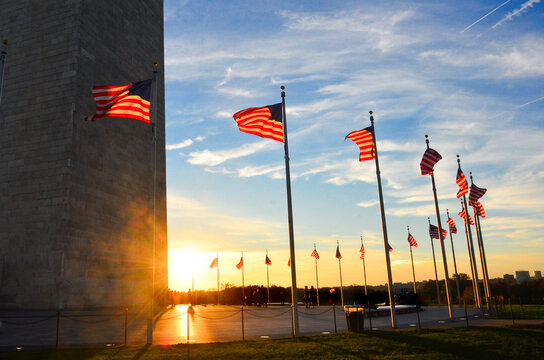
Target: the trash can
(355, 317)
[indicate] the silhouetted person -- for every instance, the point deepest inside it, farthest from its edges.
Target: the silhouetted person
(313, 297)
(306, 297)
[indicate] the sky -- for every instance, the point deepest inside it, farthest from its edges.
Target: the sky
(467, 73)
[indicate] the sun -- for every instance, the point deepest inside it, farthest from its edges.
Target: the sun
(189, 268)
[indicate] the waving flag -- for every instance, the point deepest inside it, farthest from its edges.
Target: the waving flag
(453, 228)
(461, 181)
(433, 232)
(362, 250)
(240, 264)
(430, 157)
(363, 138)
(411, 240)
(315, 254)
(214, 263)
(338, 255)
(289, 262)
(127, 101)
(389, 248)
(480, 211)
(475, 194)
(267, 261)
(265, 121)
(463, 214)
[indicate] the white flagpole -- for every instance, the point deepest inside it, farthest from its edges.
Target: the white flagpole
(341, 284)
(471, 260)
(154, 140)
(384, 229)
(294, 298)
(3, 57)
(243, 285)
(482, 254)
(434, 262)
(412, 259)
(455, 264)
(442, 247)
(316, 279)
(218, 278)
(471, 247)
(364, 267)
(267, 282)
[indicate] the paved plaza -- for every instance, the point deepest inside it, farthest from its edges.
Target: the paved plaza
(201, 324)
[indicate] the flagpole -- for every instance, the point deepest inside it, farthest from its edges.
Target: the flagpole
(471, 247)
(3, 57)
(364, 267)
(482, 254)
(455, 264)
(316, 279)
(294, 300)
(243, 286)
(471, 260)
(267, 281)
(384, 229)
(434, 262)
(341, 284)
(218, 278)
(441, 238)
(412, 259)
(154, 140)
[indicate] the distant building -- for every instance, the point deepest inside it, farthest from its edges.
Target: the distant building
(509, 278)
(538, 274)
(522, 276)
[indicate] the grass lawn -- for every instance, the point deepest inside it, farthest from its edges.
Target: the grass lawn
(508, 342)
(524, 312)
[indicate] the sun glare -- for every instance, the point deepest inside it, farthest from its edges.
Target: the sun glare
(187, 267)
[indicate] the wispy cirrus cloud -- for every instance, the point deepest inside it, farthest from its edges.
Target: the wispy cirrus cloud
(216, 157)
(184, 143)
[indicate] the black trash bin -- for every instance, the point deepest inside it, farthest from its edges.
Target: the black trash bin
(355, 317)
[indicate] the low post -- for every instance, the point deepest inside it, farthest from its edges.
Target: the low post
(58, 325)
(418, 320)
(357, 313)
(466, 314)
(188, 346)
(370, 318)
(334, 316)
(243, 330)
(126, 323)
(511, 311)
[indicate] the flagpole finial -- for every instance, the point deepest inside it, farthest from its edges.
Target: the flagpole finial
(427, 140)
(371, 117)
(282, 91)
(408, 227)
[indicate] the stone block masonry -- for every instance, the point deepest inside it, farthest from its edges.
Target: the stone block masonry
(76, 197)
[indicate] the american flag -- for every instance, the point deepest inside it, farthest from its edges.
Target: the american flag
(314, 254)
(267, 261)
(433, 232)
(214, 263)
(289, 262)
(362, 250)
(263, 121)
(363, 138)
(453, 228)
(463, 214)
(240, 264)
(475, 194)
(411, 240)
(389, 248)
(338, 255)
(430, 157)
(480, 209)
(127, 101)
(461, 181)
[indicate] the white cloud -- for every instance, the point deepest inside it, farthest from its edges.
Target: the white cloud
(214, 158)
(526, 5)
(184, 143)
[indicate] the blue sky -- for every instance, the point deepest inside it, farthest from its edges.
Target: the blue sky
(469, 74)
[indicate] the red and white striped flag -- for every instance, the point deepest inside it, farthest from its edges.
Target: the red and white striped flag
(362, 250)
(461, 181)
(338, 255)
(433, 232)
(475, 194)
(265, 121)
(363, 138)
(430, 158)
(315, 254)
(214, 263)
(480, 209)
(463, 214)
(127, 101)
(267, 261)
(411, 240)
(453, 228)
(240, 264)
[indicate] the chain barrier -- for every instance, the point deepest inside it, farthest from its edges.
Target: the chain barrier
(250, 312)
(28, 323)
(312, 314)
(218, 318)
(73, 318)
